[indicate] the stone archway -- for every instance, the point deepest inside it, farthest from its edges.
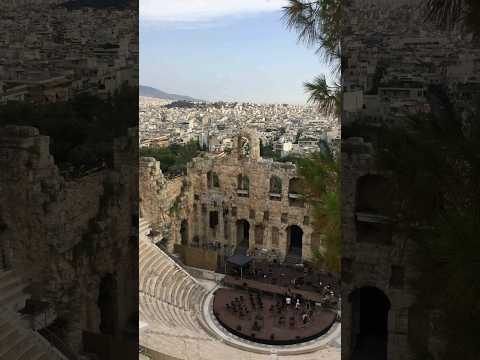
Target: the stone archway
(243, 235)
(248, 145)
(370, 308)
(184, 232)
(294, 240)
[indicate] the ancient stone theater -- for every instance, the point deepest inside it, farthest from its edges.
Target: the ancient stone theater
(225, 262)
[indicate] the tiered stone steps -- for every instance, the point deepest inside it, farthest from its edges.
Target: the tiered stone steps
(171, 324)
(17, 342)
(143, 226)
(12, 295)
(170, 298)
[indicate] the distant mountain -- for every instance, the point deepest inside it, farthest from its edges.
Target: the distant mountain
(148, 91)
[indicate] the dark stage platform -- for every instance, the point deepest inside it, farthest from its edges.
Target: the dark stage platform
(267, 319)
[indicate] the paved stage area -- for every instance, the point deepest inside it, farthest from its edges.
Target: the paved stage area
(267, 319)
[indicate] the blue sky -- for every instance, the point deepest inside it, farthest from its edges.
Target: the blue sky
(224, 50)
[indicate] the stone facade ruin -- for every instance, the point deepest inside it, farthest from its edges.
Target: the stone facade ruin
(237, 200)
(375, 261)
(71, 240)
(391, 57)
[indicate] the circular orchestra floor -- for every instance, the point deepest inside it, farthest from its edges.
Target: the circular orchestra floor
(267, 319)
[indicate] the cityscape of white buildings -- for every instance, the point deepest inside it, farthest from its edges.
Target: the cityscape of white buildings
(52, 53)
(288, 129)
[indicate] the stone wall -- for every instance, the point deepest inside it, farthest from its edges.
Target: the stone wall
(258, 209)
(391, 58)
(371, 263)
(186, 205)
(66, 236)
(158, 199)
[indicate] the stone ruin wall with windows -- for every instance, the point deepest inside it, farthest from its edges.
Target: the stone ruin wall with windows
(373, 257)
(221, 194)
(391, 59)
(67, 236)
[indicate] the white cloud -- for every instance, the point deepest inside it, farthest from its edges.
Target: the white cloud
(203, 10)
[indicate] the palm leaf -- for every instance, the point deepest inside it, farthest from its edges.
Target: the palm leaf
(326, 97)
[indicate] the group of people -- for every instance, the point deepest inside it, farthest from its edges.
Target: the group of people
(295, 303)
(290, 305)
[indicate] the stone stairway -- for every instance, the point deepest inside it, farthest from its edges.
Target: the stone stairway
(16, 341)
(12, 295)
(143, 226)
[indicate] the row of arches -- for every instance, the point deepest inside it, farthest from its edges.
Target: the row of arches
(294, 236)
(275, 188)
(243, 183)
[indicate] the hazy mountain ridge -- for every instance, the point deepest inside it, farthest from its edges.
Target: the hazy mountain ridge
(149, 91)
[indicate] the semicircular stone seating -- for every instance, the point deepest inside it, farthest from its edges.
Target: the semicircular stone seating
(170, 312)
(170, 298)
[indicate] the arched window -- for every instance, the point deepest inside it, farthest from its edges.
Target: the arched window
(295, 197)
(372, 209)
(243, 147)
(243, 185)
(275, 188)
(212, 180)
(184, 232)
(209, 179)
(373, 195)
(295, 186)
(216, 180)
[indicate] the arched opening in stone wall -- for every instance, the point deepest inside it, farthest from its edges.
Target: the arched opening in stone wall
(184, 232)
(373, 195)
(372, 209)
(196, 240)
(295, 196)
(370, 307)
(213, 180)
(243, 185)
(244, 147)
(107, 303)
(213, 219)
(275, 188)
(243, 235)
(295, 240)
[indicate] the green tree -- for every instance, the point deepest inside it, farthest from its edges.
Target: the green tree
(318, 24)
(434, 163)
(174, 158)
(322, 190)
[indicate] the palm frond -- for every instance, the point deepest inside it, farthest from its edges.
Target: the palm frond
(317, 23)
(326, 97)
